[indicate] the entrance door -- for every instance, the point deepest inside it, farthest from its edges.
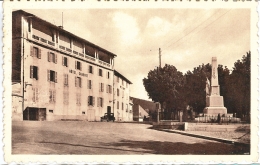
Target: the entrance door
(108, 109)
(91, 115)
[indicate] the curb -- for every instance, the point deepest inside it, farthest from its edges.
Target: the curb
(206, 137)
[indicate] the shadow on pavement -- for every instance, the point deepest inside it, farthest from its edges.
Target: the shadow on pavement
(179, 148)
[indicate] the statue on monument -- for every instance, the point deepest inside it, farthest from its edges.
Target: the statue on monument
(207, 87)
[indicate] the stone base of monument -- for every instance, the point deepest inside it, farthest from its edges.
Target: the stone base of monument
(215, 111)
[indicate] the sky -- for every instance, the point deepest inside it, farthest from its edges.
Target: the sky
(187, 37)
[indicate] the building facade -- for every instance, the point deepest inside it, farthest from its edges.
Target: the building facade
(122, 104)
(57, 74)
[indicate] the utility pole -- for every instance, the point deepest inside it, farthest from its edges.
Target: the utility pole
(158, 72)
(160, 57)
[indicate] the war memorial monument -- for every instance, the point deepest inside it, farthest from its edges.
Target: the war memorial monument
(214, 102)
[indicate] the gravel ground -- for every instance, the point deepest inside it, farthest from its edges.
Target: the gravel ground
(108, 138)
(230, 135)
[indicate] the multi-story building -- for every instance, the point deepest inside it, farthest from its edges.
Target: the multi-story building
(58, 75)
(122, 104)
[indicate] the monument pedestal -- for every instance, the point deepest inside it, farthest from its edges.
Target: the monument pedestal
(215, 111)
(215, 105)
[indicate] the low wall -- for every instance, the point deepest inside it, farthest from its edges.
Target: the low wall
(200, 126)
(216, 127)
(168, 125)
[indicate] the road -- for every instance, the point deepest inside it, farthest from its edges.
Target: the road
(94, 138)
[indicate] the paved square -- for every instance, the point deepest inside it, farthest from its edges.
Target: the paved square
(92, 138)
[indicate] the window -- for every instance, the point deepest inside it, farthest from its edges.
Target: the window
(83, 112)
(52, 57)
(91, 101)
(66, 80)
(100, 72)
(66, 98)
(78, 65)
(78, 82)
(109, 89)
(35, 52)
(101, 87)
(34, 72)
(65, 61)
(52, 76)
(35, 94)
(108, 75)
(52, 96)
(90, 69)
(100, 102)
(117, 91)
(29, 25)
(78, 99)
(122, 106)
(117, 105)
(89, 84)
(51, 111)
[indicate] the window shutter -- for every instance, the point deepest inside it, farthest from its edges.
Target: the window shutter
(75, 64)
(107, 89)
(37, 73)
(33, 97)
(56, 77)
(54, 96)
(48, 75)
(88, 100)
(55, 55)
(67, 62)
(31, 50)
(80, 66)
(49, 58)
(98, 101)
(88, 84)
(63, 61)
(39, 53)
(89, 69)
(50, 96)
(31, 71)
(36, 93)
(75, 81)
(80, 83)
(99, 87)
(93, 100)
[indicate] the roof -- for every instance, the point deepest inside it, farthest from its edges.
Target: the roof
(121, 76)
(62, 30)
(145, 104)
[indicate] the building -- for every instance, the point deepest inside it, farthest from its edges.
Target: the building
(144, 109)
(58, 75)
(122, 103)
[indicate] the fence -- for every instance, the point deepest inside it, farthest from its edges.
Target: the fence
(214, 119)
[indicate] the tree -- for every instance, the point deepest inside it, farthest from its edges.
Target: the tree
(163, 85)
(239, 89)
(195, 94)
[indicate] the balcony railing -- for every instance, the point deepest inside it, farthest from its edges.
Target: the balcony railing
(51, 43)
(43, 40)
(62, 47)
(75, 52)
(80, 54)
(69, 50)
(35, 37)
